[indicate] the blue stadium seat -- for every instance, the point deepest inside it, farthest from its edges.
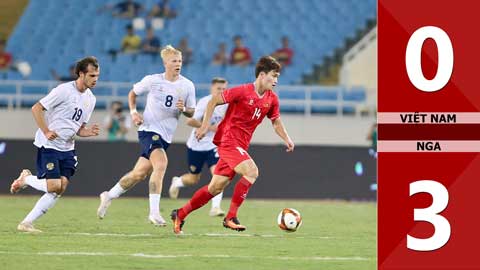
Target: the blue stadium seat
(28, 102)
(199, 93)
(324, 109)
(325, 95)
(36, 90)
(355, 94)
(292, 108)
(8, 89)
(123, 91)
(102, 91)
(291, 94)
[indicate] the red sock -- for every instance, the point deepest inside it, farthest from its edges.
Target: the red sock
(199, 199)
(239, 195)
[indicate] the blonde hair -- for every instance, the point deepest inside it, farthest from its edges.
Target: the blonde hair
(169, 49)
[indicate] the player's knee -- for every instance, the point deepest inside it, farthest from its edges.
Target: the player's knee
(215, 188)
(196, 178)
(138, 176)
(63, 187)
(252, 172)
(161, 166)
(54, 186)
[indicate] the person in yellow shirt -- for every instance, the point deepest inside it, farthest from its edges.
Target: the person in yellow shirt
(131, 42)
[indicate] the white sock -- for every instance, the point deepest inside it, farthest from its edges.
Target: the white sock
(46, 202)
(38, 184)
(116, 191)
(154, 204)
(217, 200)
(178, 182)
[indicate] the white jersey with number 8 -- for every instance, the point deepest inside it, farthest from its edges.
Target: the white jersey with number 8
(161, 114)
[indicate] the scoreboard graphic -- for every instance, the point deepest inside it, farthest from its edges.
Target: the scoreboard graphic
(429, 134)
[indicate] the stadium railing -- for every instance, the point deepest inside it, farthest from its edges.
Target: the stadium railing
(296, 99)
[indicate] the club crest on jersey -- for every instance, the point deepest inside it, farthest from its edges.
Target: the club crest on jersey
(155, 137)
(179, 91)
(250, 102)
(192, 168)
(50, 166)
(265, 105)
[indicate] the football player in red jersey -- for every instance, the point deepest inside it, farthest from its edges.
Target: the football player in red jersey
(248, 104)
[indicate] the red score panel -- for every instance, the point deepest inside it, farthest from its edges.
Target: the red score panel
(429, 134)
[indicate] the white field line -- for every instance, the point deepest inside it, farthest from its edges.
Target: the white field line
(172, 256)
(205, 234)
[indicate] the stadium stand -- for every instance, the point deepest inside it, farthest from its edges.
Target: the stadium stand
(52, 36)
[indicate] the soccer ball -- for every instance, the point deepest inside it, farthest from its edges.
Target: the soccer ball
(289, 220)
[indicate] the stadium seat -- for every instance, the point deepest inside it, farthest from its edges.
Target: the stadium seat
(324, 109)
(325, 95)
(8, 89)
(199, 93)
(291, 94)
(355, 94)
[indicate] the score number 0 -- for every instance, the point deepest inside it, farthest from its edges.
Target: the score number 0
(438, 191)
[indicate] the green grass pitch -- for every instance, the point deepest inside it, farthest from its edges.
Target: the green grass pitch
(334, 235)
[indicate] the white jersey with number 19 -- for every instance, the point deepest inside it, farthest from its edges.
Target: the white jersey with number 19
(67, 110)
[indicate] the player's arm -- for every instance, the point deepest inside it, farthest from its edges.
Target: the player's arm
(85, 131)
(282, 132)
(194, 122)
(38, 115)
(188, 112)
(132, 104)
(214, 102)
(187, 107)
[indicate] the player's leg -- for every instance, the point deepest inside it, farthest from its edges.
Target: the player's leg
(47, 201)
(178, 182)
(195, 164)
(159, 161)
(57, 167)
(249, 171)
(216, 210)
(27, 179)
(199, 199)
(140, 171)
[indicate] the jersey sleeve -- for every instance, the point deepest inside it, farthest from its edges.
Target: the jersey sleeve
(143, 86)
(53, 99)
(200, 109)
(274, 111)
(90, 112)
(191, 100)
(232, 95)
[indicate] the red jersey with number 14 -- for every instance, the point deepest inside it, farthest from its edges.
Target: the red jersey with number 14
(246, 110)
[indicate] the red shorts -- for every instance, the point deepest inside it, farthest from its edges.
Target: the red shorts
(230, 157)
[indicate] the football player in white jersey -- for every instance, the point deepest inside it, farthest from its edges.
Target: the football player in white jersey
(203, 151)
(68, 109)
(169, 95)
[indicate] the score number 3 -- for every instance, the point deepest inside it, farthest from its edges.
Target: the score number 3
(442, 227)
